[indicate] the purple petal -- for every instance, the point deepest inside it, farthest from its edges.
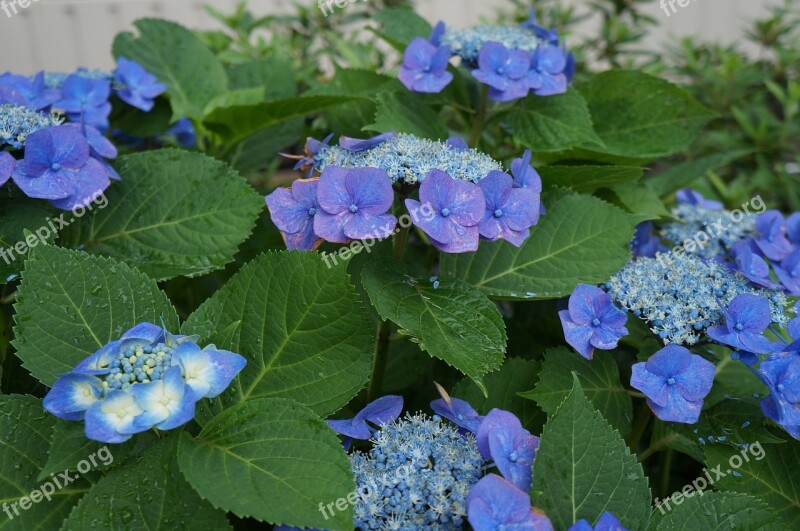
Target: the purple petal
(332, 193)
(577, 335)
(582, 303)
(463, 240)
(383, 410)
(431, 83)
(437, 190)
(677, 409)
(436, 226)
(363, 225)
(7, 162)
(290, 212)
(551, 60)
(418, 54)
(468, 203)
(370, 189)
(330, 227)
(87, 185)
(493, 56)
(552, 85)
(496, 419)
(518, 64)
(351, 428)
(695, 382)
(356, 144)
(493, 501)
(606, 337)
(652, 385)
(751, 311)
(47, 186)
(669, 361)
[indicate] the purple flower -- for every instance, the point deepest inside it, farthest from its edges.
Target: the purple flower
(549, 36)
(184, 133)
(58, 166)
(547, 76)
(424, 67)
(510, 212)
(458, 143)
(592, 321)
(356, 145)
(312, 147)
(781, 373)
(494, 503)
(136, 86)
(746, 318)
(458, 411)
(30, 92)
(687, 196)
(502, 439)
(788, 271)
(525, 176)
(7, 163)
(381, 411)
(793, 228)
(293, 212)
(675, 382)
(354, 204)
(504, 71)
(606, 522)
(645, 242)
(437, 33)
(86, 101)
(754, 268)
(771, 238)
(457, 206)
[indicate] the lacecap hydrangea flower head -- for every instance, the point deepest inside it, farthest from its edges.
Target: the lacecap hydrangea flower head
(464, 195)
(148, 378)
(513, 61)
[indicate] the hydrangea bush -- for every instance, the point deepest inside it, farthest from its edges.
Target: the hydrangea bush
(448, 294)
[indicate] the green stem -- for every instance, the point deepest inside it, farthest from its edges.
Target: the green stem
(480, 118)
(665, 469)
(639, 427)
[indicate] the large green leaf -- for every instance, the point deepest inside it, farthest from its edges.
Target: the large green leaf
(301, 326)
(767, 473)
(641, 116)
(174, 213)
(554, 123)
(588, 178)
(271, 459)
(580, 239)
(395, 114)
(70, 304)
(680, 175)
(17, 215)
(149, 493)
(583, 468)
(25, 429)
(179, 60)
(716, 510)
(599, 380)
(452, 321)
(400, 26)
(69, 446)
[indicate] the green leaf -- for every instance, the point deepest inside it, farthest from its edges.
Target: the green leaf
(273, 75)
(174, 213)
(583, 468)
(302, 328)
(580, 239)
(270, 459)
(504, 386)
(739, 421)
(26, 429)
(587, 179)
(554, 123)
(680, 175)
(401, 26)
(641, 116)
(405, 113)
(149, 493)
(453, 322)
(599, 380)
(70, 304)
(639, 198)
(769, 474)
(69, 446)
(178, 59)
(236, 123)
(16, 216)
(718, 510)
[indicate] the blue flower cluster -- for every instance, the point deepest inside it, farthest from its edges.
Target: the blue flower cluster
(692, 219)
(681, 295)
(513, 61)
(146, 379)
(18, 122)
(352, 198)
(592, 321)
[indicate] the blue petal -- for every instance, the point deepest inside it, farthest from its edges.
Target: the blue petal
(72, 395)
(208, 372)
(111, 420)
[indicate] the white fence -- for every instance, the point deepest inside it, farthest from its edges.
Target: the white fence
(64, 34)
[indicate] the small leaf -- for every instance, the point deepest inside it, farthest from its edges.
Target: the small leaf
(716, 510)
(401, 26)
(405, 113)
(587, 179)
(69, 446)
(18, 214)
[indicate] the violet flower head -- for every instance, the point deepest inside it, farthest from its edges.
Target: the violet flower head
(86, 101)
(424, 67)
(502, 439)
(645, 242)
(753, 267)
(592, 321)
(550, 36)
(547, 74)
(494, 503)
(606, 522)
(510, 212)
(675, 382)
(457, 206)
(504, 71)
(781, 373)
(7, 163)
(27, 91)
(788, 271)
(746, 319)
(525, 176)
(136, 86)
(771, 238)
(312, 147)
(458, 143)
(354, 204)
(687, 196)
(437, 33)
(793, 228)
(293, 211)
(357, 145)
(458, 411)
(379, 412)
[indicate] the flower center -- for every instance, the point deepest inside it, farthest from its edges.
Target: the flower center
(739, 327)
(513, 457)
(670, 381)
(138, 364)
(780, 387)
(501, 70)
(312, 211)
(445, 212)
(498, 213)
(55, 166)
(353, 208)
(595, 322)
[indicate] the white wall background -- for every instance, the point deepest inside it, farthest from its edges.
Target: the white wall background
(64, 34)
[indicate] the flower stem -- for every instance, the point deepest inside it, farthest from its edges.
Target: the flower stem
(480, 118)
(639, 427)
